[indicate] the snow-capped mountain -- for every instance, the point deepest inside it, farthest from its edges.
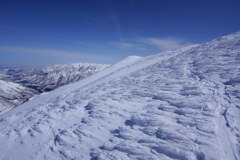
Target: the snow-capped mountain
(49, 78)
(12, 94)
(174, 105)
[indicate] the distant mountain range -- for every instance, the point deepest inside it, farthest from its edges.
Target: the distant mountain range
(21, 83)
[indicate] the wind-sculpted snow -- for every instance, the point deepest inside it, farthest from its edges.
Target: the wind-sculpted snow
(174, 105)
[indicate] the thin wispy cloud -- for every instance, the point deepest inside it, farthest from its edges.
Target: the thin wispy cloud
(166, 43)
(124, 45)
(81, 43)
(48, 52)
(145, 44)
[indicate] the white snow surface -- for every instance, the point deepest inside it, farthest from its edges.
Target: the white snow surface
(182, 105)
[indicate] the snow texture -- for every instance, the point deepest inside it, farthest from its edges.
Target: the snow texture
(174, 105)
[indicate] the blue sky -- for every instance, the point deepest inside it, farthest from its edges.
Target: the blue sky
(104, 31)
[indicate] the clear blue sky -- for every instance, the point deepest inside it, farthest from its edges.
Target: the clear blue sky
(104, 31)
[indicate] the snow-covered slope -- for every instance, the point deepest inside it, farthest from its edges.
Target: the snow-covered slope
(52, 77)
(174, 105)
(12, 94)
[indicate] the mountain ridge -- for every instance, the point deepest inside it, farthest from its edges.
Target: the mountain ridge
(174, 105)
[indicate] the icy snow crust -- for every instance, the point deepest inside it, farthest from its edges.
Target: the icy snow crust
(174, 105)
